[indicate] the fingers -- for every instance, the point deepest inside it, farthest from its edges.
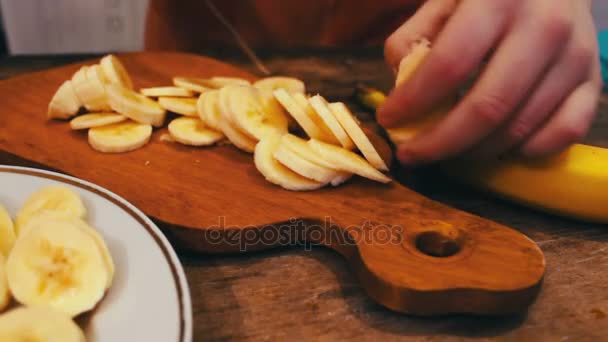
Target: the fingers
(565, 76)
(510, 75)
(426, 23)
(470, 33)
(569, 125)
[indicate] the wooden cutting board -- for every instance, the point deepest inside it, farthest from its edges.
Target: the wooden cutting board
(411, 254)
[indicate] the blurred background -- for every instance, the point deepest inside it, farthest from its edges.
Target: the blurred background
(34, 27)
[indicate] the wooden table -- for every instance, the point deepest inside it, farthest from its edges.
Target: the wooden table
(311, 294)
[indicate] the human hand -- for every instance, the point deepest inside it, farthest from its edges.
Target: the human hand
(537, 94)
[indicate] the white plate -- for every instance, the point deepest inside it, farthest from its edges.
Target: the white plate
(149, 299)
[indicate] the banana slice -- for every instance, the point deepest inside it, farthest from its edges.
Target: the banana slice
(219, 81)
(354, 130)
(59, 199)
(7, 232)
(299, 146)
(192, 131)
(300, 165)
(239, 138)
(275, 172)
(348, 161)
(328, 136)
(300, 114)
(136, 107)
(166, 92)
(79, 78)
(120, 137)
(43, 218)
(290, 84)
(409, 64)
(96, 120)
(5, 293)
(64, 104)
(57, 265)
(182, 106)
(39, 323)
(270, 103)
(91, 91)
(208, 109)
(248, 113)
(115, 71)
(197, 85)
(320, 105)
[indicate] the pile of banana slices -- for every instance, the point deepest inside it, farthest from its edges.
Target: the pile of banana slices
(54, 264)
(300, 142)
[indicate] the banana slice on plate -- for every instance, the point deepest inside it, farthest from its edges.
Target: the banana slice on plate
(299, 146)
(167, 92)
(178, 105)
(5, 293)
(249, 113)
(59, 199)
(96, 120)
(290, 84)
(320, 105)
(58, 265)
(39, 323)
(192, 131)
(208, 109)
(197, 85)
(7, 232)
(275, 172)
(115, 71)
(302, 166)
(354, 130)
(135, 106)
(64, 104)
(43, 218)
(348, 161)
(121, 137)
(236, 136)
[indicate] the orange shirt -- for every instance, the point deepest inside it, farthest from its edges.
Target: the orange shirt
(187, 25)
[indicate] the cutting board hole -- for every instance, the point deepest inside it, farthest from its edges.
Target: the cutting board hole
(437, 245)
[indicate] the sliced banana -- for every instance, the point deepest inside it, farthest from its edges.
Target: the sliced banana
(208, 109)
(167, 92)
(5, 292)
(64, 104)
(275, 172)
(305, 168)
(91, 90)
(220, 81)
(348, 161)
(96, 120)
(409, 64)
(7, 232)
(320, 105)
(135, 106)
(299, 114)
(178, 105)
(121, 137)
(115, 71)
(197, 85)
(249, 113)
(57, 265)
(328, 136)
(354, 130)
(78, 79)
(290, 84)
(192, 131)
(40, 324)
(45, 217)
(59, 199)
(341, 178)
(236, 136)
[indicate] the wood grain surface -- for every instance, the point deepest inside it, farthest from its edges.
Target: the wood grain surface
(309, 293)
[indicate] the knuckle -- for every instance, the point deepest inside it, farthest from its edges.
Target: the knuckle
(449, 67)
(571, 133)
(490, 109)
(518, 130)
(581, 55)
(557, 24)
